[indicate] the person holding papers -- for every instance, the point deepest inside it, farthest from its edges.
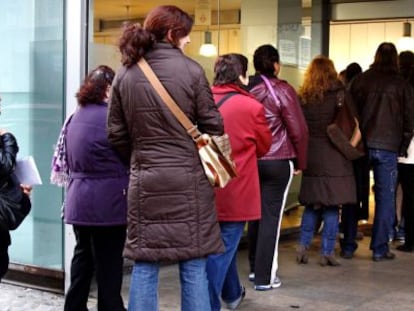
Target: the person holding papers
(8, 152)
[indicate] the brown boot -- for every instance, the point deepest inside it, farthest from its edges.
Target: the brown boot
(302, 255)
(329, 260)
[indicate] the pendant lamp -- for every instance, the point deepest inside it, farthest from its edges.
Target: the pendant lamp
(208, 49)
(406, 42)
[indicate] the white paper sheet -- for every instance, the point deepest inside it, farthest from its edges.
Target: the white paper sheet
(27, 172)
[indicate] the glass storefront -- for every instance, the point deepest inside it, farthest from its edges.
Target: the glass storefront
(238, 26)
(233, 25)
(32, 88)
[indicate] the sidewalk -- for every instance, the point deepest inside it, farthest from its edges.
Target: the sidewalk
(358, 284)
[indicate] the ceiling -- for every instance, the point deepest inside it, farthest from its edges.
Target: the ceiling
(115, 9)
(121, 9)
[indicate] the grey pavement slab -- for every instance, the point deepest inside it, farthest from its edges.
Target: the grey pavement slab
(358, 284)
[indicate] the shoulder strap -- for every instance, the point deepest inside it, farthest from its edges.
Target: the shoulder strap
(340, 96)
(340, 102)
(225, 97)
(270, 88)
(168, 100)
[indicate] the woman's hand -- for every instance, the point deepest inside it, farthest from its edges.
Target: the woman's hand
(297, 172)
(27, 189)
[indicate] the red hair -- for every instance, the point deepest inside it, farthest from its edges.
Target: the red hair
(93, 90)
(136, 40)
(319, 77)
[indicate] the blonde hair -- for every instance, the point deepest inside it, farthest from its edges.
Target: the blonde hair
(319, 77)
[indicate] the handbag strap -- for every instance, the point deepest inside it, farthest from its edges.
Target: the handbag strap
(340, 97)
(270, 88)
(191, 129)
(224, 98)
(340, 103)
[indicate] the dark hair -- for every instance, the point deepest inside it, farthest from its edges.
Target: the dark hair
(136, 40)
(352, 70)
(228, 68)
(406, 60)
(264, 59)
(93, 90)
(386, 58)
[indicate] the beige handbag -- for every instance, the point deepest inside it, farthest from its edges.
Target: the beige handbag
(214, 151)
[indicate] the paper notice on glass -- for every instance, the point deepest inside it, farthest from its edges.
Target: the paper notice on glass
(27, 172)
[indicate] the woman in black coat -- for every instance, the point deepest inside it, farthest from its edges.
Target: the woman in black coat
(328, 181)
(8, 152)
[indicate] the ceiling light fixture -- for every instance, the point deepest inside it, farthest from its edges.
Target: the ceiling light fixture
(208, 49)
(406, 42)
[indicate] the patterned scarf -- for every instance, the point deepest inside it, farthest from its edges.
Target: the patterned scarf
(60, 171)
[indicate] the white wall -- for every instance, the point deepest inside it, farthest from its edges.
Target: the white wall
(357, 42)
(358, 29)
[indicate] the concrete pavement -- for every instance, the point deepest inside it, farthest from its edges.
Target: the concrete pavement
(358, 284)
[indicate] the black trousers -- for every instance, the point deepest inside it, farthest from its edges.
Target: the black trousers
(99, 250)
(4, 255)
(352, 213)
(263, 236)
(406, 176)
(361, 171)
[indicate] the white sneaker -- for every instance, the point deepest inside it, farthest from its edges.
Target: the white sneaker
(251, 276)
(235, 304)
(276, 283)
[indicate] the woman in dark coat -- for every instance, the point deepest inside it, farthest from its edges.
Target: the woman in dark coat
(95, 202)
(171, 213)
(8, 153)
(328, 181)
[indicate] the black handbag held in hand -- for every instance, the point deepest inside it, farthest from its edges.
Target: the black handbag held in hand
(15, 205)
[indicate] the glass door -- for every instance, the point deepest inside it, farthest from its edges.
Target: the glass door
(32, 89)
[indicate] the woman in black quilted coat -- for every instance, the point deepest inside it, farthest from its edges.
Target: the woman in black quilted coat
(328, 181)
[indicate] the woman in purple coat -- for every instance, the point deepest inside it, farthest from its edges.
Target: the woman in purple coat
(96, 198)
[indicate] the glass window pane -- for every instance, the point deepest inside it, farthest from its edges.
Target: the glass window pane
(234, 26)
(32, 88)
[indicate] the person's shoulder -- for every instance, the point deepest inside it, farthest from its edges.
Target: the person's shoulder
(284, 87)
(192, 65)
(93, 112)
(249, 100)
(282, 83)
(121, 73)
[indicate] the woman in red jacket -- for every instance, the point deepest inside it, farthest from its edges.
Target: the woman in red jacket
(239, 201)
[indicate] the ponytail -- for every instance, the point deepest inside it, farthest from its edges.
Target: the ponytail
(135, 41)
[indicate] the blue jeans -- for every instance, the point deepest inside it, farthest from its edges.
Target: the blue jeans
(349, 222)
(384, 166)
(310, 216)
(222, 274)
(143, 292)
